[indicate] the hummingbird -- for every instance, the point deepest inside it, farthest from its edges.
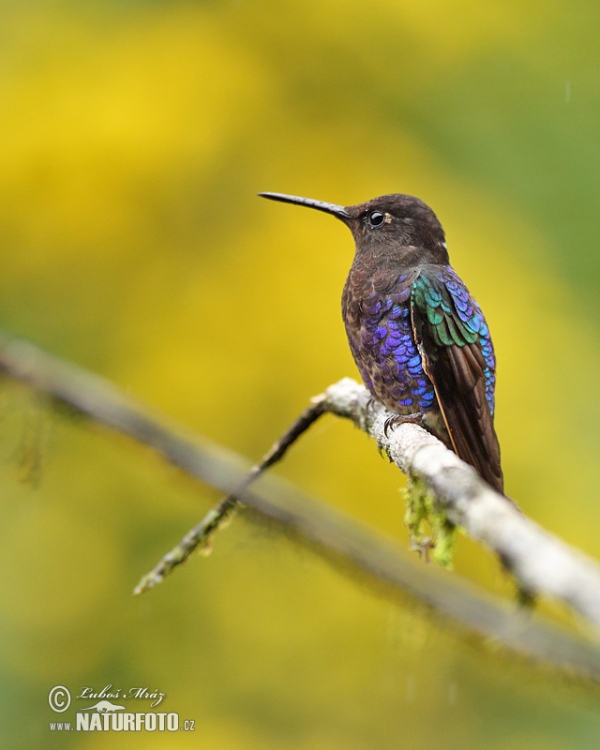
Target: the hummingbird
(418, 337)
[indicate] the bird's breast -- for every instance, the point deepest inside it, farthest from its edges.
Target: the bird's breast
(377, 316)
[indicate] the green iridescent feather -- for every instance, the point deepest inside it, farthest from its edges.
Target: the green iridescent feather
(431, 297)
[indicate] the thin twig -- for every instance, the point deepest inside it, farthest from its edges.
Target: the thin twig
(201, 535)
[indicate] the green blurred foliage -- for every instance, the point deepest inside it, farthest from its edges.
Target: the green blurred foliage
(133, 138)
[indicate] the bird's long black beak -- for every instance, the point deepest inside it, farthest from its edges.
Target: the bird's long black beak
(329, 208)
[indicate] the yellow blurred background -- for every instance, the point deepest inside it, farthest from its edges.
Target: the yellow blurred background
(134, 136)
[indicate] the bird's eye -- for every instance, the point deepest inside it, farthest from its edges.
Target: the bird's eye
(375, 219)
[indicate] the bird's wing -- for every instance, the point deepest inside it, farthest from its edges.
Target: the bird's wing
(457, 354)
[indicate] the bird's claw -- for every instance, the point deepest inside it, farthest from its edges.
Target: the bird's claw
(399, 419)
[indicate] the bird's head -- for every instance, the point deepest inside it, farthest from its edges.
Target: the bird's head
(397, 227)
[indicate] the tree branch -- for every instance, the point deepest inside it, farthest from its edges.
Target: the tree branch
(541, 562)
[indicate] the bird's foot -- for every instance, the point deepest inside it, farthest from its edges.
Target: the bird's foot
(371, 404)
(402, 419)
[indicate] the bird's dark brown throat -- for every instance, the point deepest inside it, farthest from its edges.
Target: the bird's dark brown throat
(418, 337)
